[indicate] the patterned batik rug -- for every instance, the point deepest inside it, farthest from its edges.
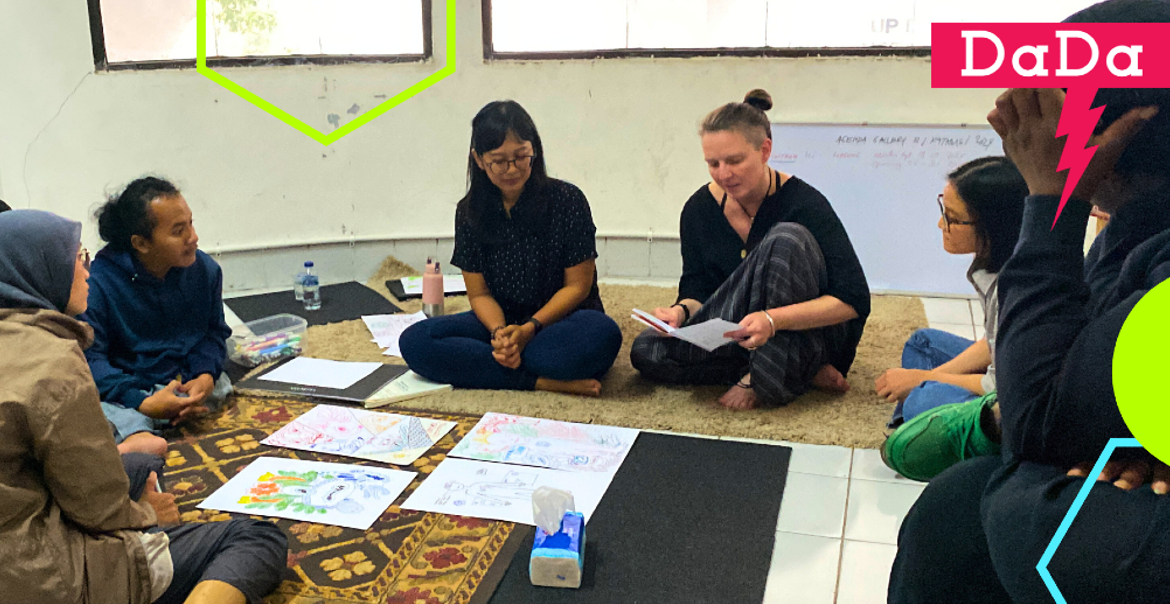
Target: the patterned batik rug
(406, 557)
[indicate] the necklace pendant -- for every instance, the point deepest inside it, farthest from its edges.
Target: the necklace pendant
(742, 254)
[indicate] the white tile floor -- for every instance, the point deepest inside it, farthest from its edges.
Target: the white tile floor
(837, 532)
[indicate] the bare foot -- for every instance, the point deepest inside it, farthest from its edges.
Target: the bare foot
(143, 442)
(581, 387)
(828, 378)
(740, 397)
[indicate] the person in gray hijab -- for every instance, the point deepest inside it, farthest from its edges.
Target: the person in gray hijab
(26, 274)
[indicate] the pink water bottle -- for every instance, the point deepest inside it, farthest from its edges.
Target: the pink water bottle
(433, 289)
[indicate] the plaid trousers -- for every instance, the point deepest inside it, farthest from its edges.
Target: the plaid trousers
(786, 268)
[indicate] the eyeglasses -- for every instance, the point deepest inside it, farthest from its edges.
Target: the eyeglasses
(947, 220)
(502, 167)
(83, 257)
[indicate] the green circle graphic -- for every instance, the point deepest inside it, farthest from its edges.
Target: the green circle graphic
(1141, 378)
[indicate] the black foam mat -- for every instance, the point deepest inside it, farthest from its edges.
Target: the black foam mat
(339, 302)
(685, 520)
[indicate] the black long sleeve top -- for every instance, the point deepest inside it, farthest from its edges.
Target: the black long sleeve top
(1060, 315)
(712, 250)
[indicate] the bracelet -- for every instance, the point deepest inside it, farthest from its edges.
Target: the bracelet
(686, 311)
(537, 324)
(770, 322)
(498, 328)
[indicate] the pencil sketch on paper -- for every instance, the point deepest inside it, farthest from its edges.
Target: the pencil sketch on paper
(514, 488)
(546, 443)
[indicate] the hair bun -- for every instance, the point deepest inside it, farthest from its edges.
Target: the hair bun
(759, 98)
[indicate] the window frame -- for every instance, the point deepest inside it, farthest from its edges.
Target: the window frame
(101, 62)
(491, 54)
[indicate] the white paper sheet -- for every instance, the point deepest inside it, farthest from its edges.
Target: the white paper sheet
(707, 335)
(452, 284)
(386, 329)
(499, 491)
(547, 443)
(328, 493)
(384, 437)
(321, 373)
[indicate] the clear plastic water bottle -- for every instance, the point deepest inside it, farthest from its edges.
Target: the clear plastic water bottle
(299, 283)
(311, 288)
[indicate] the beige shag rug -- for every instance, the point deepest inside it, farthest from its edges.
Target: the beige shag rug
(854, 419)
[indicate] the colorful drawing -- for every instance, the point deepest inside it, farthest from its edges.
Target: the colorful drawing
(385, 437)
(501, 492)
(546, 443)
(313, 492)
(328, 493)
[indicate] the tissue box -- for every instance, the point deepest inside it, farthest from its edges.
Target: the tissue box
(559, 559)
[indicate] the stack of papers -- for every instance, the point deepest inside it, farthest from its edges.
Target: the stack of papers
(707, 335)
(386, 330)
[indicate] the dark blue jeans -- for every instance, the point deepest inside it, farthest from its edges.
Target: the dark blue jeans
(457, 350)
(928, 349)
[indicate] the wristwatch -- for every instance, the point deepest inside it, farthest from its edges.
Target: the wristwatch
(535, 323)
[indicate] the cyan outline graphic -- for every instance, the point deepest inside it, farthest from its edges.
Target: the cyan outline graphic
(1090, 480)
(284, 116)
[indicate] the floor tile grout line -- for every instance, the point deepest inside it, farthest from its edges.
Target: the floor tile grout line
(844, 522)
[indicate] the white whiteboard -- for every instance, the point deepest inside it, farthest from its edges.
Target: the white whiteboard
(883, 182)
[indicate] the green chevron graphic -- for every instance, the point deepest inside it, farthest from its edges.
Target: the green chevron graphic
(284, 116)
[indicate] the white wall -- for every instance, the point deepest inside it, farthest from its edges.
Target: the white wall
(623, 130)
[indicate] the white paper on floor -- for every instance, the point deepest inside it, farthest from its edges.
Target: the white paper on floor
(314, 491)
(386, 330)
(384, 437)
(499, 491)
(322, 373)
(547, 443)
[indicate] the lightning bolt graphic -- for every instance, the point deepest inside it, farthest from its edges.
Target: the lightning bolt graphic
(1078, 119)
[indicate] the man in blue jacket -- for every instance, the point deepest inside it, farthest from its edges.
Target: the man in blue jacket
(156, 308)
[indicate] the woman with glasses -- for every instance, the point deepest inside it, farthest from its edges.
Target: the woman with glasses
(526, 245)
(981, 214)
(764, 249)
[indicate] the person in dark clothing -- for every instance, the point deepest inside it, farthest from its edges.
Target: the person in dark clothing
(156, 309)
(979, 529)
(764, 249)
(526, 244)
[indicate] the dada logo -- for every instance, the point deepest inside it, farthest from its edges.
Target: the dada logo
(1081, 57)
(1049, 55)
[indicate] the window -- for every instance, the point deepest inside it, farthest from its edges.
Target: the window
(153, 33)
(598, 28)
